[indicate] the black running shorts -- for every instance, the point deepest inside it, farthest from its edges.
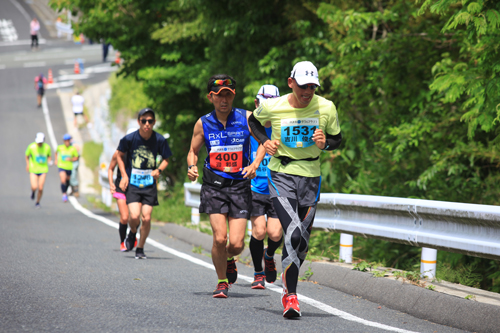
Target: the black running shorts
(146, 196)
(234, 200)
(262, 205)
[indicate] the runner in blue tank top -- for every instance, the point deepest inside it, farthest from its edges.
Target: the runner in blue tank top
(262, 205)
(225, 192)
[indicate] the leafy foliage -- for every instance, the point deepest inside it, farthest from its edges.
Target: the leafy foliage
(416, 84)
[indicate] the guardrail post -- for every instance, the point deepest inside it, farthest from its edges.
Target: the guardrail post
(345, 252)
(195, 216)
(428, 262)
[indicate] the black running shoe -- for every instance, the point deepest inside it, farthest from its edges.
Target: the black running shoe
(221, 290)
(232, 271)
(130, 241)
(32, 195)
(269, 268)
(139, 254)
(258, 281)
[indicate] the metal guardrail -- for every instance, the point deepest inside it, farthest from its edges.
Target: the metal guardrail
(433, 225)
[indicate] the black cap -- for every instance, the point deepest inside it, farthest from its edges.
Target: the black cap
(144, 111)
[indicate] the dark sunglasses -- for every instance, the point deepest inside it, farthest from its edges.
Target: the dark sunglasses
(305, 86)
(149, 121)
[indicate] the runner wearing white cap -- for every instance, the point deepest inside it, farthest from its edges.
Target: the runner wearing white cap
(38, 159)
(304, 125)
(262, 207)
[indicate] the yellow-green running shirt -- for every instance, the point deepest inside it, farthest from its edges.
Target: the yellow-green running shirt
(64, 155)
(38, 157)
(294, 129)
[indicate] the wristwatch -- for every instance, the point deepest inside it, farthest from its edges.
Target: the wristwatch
(189, 167)
(160, 170)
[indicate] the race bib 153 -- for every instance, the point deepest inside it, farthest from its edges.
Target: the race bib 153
(297, 133)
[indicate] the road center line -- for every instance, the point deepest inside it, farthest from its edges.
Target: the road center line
(304, 299)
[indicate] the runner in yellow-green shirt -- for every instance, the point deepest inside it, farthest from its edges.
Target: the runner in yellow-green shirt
(303, 125)
(66, 154)
(38, 159)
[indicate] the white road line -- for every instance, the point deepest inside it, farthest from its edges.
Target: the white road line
(304, 299)
(25, 14)
(34, 64)
(26, 42)
(50, 129)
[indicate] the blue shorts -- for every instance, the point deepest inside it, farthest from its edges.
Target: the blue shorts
(68, 172)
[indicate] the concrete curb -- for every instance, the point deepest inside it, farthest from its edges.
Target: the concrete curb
(421, 303)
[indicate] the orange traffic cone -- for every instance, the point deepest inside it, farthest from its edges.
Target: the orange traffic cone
(51, 79)
(117, 58)
(77, 68)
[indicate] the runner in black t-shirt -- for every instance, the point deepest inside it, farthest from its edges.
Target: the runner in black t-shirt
(139, 175)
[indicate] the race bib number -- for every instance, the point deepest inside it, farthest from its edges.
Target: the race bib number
(41, 159)
(227, 158)
(262, 169)
(141, 178)
(297, 133)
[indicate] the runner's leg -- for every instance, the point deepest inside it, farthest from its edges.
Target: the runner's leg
(123, 209)
(62, 177)
(257, 241)
(34, 184)
(135, 216)
(274, 235)
(146, 224)
(219, 252)
(237, 227)
(41, 183)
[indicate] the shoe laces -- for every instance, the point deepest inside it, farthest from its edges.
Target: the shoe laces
(231, 266)
(270, 264)
(222, 286)
(259, 277)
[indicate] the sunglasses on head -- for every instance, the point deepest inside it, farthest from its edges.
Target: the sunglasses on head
(226, 82)
(149, 121)
(268, 96)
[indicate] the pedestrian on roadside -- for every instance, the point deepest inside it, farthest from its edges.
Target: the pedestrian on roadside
(38, 159)
(78, 102)
(105, 50)
(304, 125)
(119, 195)
(66, 154)
(40, 85)
(34, 28)
(262, 207)
(225, 192)
(137, 153)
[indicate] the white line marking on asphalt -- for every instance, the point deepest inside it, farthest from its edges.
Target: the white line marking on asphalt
(34, 64)
(62, 84)
(50, 129)
(304, 299)
(26, 42)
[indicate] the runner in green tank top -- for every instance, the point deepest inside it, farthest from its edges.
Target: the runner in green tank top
(66, 154)
(38, 159)
(303, 125)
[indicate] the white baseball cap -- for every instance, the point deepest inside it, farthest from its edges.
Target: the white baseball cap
(40, 137)
(268, 91)
(305, 72)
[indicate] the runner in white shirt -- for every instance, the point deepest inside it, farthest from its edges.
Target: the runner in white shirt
(78, 101)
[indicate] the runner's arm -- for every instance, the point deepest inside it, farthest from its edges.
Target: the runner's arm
(197, 142)
(251, 171)
(55, 158)
(121, 165)
(111, 170)
(163, 165)
(258, 131)
(333, 141)
(28, 163)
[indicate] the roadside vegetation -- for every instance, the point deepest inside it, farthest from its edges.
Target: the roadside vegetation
(416, 85)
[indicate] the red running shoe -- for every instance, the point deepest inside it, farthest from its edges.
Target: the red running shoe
(292, 309)
(221, 290)
(258, 282)
(123, 248)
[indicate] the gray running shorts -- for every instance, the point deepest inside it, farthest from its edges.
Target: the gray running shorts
(303, 189)
(234, 200)
(262, 205)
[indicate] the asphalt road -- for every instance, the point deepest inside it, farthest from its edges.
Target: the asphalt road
(62, 270)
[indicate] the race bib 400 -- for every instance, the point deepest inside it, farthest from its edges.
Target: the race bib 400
(227, 158)
(297, 133)
(141, 178)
